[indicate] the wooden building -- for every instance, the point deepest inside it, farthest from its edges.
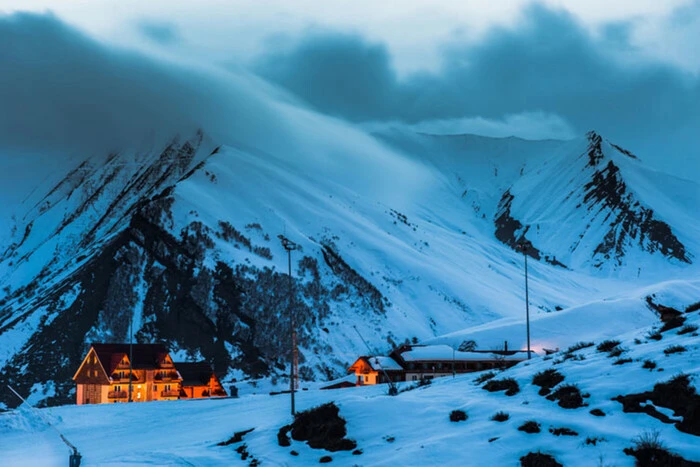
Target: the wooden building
(417, 362)
(103, 376)
(376, 370)
(199, 380)
(432, 361)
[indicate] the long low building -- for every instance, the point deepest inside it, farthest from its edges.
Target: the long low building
(418, 362)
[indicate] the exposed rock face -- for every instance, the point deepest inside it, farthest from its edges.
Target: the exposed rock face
(610, 216)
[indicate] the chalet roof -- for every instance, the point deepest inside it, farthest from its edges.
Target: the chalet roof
(379, 363)
(194, 374)
(441, 353)
(144, 356)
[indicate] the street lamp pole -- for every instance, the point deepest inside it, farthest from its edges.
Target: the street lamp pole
(523, 246)
(131, 353)
(289, 245)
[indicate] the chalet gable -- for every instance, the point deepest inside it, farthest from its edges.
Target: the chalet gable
(91, 370)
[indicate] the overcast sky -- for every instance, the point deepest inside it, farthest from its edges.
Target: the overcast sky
(80, 76)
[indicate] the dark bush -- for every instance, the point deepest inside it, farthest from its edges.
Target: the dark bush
(607, 346)
(649, 364)
(693, 307)
(563, 431)
(568, 396)
(594, 441)
(282, 437)
(654, 335)
(597, 413)
(484, 377)
(687, 329)
(547, 379)
(458, 416)
(236, 438)
(616, 352)
(674, 349)
(500, 417)
(578, 346)
(325, 460)
(509, 385)
(622, 361)
(650, 451)
(538, 459)
(322, 428)
(530, 426)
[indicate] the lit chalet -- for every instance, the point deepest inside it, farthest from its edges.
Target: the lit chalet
(419, 362)
(103, 376)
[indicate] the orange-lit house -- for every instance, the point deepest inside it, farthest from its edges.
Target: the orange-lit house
(376, 370)
(103, 376)
(199, 380)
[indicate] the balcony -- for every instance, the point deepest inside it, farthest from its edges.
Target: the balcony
(116, 395)
(171, 393)
(166, 377)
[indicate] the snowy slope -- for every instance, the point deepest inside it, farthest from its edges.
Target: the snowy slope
(399, 238)
(412, 428)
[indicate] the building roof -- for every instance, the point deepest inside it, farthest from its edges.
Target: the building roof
(144, 356)
(436, 353)
(194, 374)
(379, 363)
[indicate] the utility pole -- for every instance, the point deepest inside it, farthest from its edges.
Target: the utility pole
(131, 352)
(523, 246)
(393, 389)
(289, 245)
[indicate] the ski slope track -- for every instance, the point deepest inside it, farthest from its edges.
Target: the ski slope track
(403, 236)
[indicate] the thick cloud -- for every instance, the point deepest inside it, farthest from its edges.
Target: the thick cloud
(65, 96)
(547, 63)
(160, 32)
(62, 92)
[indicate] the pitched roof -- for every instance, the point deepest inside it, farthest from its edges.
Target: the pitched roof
(379, 363)
(194, 374)
(144, 356)
(445, 353)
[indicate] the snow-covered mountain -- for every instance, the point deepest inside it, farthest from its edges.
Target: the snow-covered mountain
(402, 236)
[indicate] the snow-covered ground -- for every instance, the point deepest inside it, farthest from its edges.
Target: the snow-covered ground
(412, 428)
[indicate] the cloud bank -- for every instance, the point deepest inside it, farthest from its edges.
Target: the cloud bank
(547, 64)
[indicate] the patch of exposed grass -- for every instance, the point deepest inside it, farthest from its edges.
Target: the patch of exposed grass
(622, 361)
(484, 377)
(538, 459)
(674, 349)
(509, 385)
(687, 329)
(579, 346)
(568, 396)
(563, 431)
(547, 379)
(458, 416)
(530, 427)
(500, 416)
(607, 346)
(649, 365)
